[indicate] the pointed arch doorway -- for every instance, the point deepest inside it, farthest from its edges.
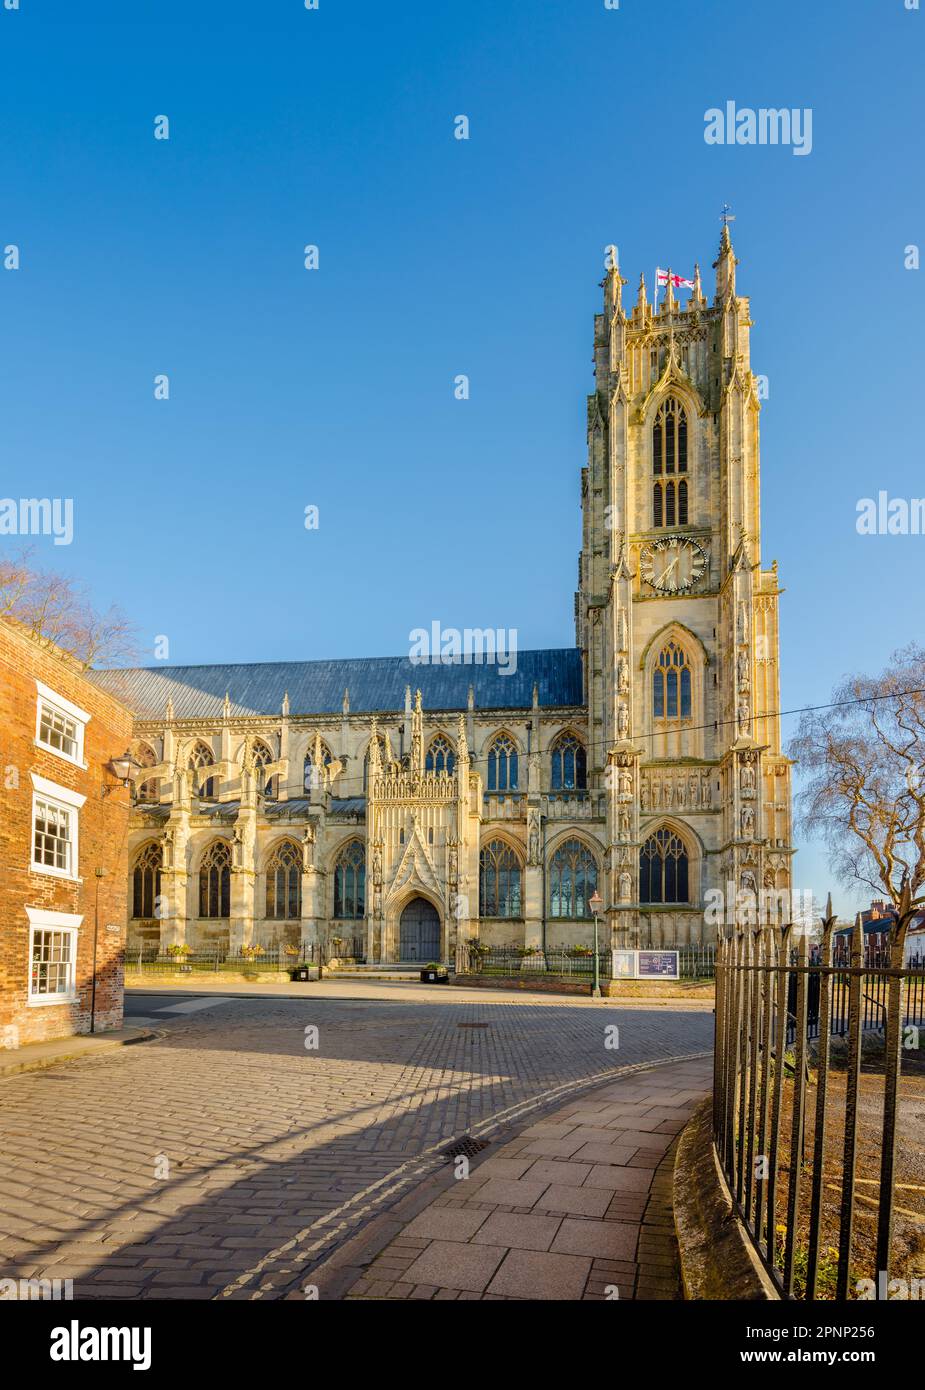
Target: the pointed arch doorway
(419, 932)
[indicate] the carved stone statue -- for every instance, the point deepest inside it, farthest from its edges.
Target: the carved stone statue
(623, 720)
(626, 887)
(748, 822)
(742, 670)
(623, 676)
(533, 838)
(693, 786)
(742, 623)
(743, 718)
(747, 780)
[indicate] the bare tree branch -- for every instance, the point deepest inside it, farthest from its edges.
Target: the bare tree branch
(863, 762)
(56, 611)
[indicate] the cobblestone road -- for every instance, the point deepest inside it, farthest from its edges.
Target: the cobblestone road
(224, 1159)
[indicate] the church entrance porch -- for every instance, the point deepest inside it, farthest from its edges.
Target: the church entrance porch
(419, 932)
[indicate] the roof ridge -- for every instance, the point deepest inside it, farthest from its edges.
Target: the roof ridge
(163, 668)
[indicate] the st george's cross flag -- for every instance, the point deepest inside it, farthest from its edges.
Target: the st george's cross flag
(678, 281)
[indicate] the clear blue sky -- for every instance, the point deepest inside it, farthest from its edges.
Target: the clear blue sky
(440, 257)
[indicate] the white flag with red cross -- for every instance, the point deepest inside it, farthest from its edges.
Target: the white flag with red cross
(678, 282)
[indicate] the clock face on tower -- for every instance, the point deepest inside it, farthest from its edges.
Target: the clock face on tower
(673, 564)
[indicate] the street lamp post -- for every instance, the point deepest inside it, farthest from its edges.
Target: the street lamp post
(98, 874)
(596, 902)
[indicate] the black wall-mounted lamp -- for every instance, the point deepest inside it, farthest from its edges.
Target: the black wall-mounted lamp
(123, 769)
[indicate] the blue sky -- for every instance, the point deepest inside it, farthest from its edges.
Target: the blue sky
(438, 257)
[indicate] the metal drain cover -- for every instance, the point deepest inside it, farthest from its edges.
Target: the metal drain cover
(465, 1145)
(473, 1025)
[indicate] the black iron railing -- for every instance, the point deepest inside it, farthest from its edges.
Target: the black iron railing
(152, 960)
(806, 1138)
(695, 962)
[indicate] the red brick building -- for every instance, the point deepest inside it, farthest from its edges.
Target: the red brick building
(63, 832)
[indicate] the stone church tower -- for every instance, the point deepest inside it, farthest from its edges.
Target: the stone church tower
(676, 618)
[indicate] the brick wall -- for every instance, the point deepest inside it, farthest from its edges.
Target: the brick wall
(102, 843)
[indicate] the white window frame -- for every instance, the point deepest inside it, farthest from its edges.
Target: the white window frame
(67, 800)
(42, 920)
(46, 696)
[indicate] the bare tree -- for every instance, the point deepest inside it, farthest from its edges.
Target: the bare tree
(56, 611)
(864, 766)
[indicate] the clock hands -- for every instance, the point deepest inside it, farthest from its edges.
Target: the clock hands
(669, 568)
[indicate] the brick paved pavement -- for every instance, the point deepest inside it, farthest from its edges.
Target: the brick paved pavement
(578, 1206)
(226, 1160)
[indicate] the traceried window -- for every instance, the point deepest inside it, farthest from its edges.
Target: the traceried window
(669, 465)
(572, 880)
(284, 881)
(499, 881)
(146, 880)
(262, 758)
(310, 777)
(440, 756)
(350, 882)
(671, 685)
(200, 757)
(663, 869)
(502, 765)
(215, 881)
(569, 764)
(149, 789)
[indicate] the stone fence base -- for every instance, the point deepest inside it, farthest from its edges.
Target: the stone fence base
(612, 989)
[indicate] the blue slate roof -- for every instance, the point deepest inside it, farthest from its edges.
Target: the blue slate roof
(317, 687)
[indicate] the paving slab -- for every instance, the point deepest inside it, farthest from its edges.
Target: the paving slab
(581, 1212)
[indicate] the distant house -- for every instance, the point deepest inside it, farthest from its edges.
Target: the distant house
(878, 921)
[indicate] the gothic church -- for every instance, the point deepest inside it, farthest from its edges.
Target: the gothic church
(400, 811)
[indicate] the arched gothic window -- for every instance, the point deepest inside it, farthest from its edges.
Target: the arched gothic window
(440, 756)
(569, 764)
(572, 880)
(215, 881)
(663, 869)
(499, 881)
(502, 765)
(310, 779)
(200, 757)
(669, 462)
(350, 882)
(146, 880)
(671, 685)
(284, 881)
(262, 758)
(148, 790)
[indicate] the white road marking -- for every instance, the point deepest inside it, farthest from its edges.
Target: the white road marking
(189, 1006)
